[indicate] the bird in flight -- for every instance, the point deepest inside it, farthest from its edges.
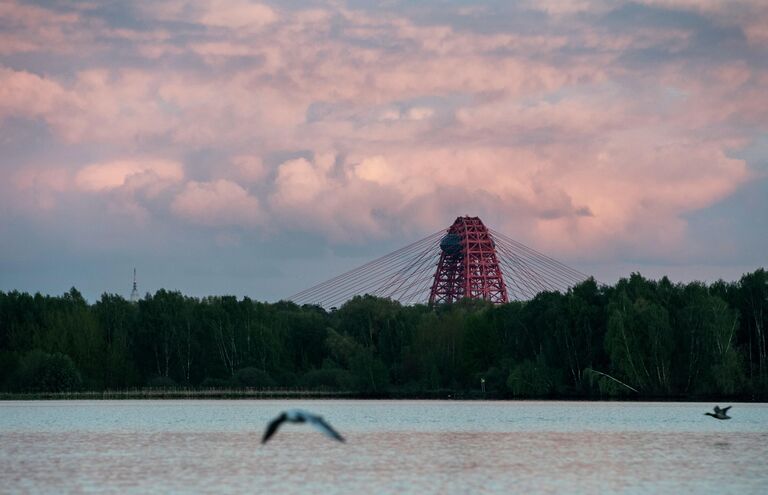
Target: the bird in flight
(299, 416)
(719, 413)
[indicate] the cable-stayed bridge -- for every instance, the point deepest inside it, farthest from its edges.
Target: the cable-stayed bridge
(466, 260)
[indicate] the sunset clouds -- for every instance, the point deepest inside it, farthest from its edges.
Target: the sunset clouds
(590, 130)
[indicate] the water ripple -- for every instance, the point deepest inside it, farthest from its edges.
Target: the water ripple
(393, 447)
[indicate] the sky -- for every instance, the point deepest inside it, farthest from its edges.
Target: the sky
(258, 148)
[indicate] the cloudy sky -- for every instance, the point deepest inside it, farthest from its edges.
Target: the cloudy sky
(234, 147)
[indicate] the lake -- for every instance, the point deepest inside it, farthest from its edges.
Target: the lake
(392, 447)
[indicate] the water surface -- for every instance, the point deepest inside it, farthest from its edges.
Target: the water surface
(392, 447)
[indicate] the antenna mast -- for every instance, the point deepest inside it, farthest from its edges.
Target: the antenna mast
(135, 291)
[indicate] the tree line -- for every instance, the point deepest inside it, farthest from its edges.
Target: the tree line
(637, 338)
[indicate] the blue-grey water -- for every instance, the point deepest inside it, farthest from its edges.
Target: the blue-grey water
(392, 447)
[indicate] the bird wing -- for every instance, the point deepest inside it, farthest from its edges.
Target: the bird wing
(272, 427)
(725, 409)
(718, 410)
(319, 423)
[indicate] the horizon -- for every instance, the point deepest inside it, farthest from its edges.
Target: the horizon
(143, 294)
(259, 148)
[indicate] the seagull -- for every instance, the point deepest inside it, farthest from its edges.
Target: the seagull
(300, 416)
(720, 413)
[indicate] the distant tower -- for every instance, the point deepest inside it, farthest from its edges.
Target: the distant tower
(135, 291)
(468, 265)
(464, 261)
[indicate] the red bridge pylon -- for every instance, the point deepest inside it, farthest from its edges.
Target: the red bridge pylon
(466, 260)
(468, 265)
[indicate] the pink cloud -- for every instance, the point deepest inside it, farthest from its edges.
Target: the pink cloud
(233, 14)
(314, 196)
(216, 204)
(300, 182)
(25, 94)
(38, 188)
(376, 169)
(416, 121)
(237, 14)
(151, 174)
(28, 28)
(248, 168)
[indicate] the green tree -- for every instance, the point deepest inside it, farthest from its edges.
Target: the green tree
(39, 371)
(253, 378)
(117, 319)
(533, 377)
(639, 339)
(751, 301)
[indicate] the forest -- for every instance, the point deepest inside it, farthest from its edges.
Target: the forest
(639, 338)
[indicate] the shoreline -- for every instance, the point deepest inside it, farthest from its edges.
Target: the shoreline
(266, 394)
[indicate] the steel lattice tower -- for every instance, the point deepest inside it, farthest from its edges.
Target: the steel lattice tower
(135, 291)
(468, 265)
(466, 260)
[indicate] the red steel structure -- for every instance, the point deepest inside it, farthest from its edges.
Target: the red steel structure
(468, 265)
(472, 261)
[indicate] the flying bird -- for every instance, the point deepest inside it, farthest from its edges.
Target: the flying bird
(299, 416)
(719, 413)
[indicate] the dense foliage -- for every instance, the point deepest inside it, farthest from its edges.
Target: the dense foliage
(639, 338)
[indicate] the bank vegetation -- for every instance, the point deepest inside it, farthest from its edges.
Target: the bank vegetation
(639, 338)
